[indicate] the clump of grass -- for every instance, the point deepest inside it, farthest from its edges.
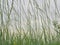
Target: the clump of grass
(34, 25)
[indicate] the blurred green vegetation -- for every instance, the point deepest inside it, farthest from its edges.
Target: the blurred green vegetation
(31, 27)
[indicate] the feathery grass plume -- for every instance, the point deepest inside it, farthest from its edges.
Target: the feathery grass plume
(29, 22)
